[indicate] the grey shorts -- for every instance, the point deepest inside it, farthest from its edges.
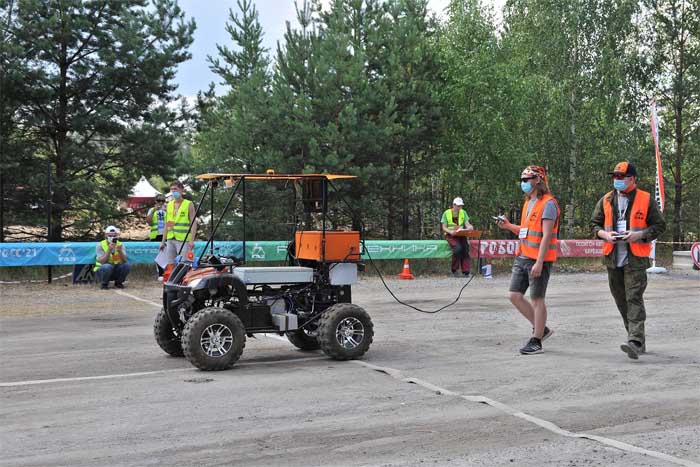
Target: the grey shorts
(173, 247)
(520, 279)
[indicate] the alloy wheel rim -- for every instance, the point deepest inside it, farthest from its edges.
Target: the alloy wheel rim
(216, 340)
(350, 333)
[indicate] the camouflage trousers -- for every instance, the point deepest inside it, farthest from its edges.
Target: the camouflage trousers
(627, 287)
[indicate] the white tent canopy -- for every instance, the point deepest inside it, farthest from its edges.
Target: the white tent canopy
(142, 194)
(143, 189)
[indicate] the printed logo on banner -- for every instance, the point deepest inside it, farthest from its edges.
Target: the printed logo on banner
(83, 274)
(401, 248)
(258, 252)
(564, 249)
(66, 254)
(499, 247)
(695, 254)
(19, 252)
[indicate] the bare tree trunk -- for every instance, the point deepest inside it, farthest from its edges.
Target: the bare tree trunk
(58, 198)
(406, 185)
(573, 157)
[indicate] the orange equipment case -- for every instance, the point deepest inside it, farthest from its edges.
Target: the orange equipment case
(340, 245)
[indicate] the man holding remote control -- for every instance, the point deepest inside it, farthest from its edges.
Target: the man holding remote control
(628, 219)
(537, 251)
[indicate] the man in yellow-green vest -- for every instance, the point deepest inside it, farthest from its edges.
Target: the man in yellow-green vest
(156, 220)
(179, 213)
(453, 220)
(111, 260)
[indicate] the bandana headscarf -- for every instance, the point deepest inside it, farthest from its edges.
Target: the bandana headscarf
(536, 171)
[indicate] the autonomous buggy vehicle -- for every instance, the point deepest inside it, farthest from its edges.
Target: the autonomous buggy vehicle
(212, 302)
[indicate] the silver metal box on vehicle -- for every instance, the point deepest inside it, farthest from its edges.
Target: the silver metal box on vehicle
(343, 273)
(274, 275)
(285, 321)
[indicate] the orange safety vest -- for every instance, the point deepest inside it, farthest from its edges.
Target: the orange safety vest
(638, 221)
(530, 245)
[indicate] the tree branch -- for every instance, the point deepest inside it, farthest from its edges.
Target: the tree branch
(73, 59)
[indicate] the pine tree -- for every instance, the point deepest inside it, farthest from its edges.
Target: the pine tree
(95, 84)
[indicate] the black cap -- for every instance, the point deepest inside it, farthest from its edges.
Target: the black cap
(624, 168)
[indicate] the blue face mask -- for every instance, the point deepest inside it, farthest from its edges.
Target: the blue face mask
(526, 187)
(175, 194)
(619, 185)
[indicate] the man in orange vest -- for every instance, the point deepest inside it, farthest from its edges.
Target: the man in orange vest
(538, 232)
(628, 219)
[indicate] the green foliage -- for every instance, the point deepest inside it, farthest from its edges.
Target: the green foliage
(671, 54)
(85, 95)
(420, 110)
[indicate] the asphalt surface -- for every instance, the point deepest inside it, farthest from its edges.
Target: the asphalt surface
(83, 383)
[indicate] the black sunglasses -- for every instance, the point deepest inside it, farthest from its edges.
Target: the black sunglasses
(526, 179)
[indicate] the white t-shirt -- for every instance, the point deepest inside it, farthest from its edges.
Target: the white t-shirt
(621, 247)
(161, 219)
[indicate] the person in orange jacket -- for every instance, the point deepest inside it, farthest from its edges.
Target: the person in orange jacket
(537, 251)
(627, 219)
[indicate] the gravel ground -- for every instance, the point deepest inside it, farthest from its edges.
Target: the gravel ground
(84, 384)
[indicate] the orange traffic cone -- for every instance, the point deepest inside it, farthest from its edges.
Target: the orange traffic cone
(406, 273)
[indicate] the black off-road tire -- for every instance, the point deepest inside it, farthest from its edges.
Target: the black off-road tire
(165, 335)
(335, 321)
(301, 340)
(201, 346)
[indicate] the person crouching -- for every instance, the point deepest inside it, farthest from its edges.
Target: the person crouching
(111, 262)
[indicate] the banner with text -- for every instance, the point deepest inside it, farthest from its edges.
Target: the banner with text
(70, 253)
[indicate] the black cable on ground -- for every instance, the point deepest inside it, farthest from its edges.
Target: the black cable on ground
(409, 305)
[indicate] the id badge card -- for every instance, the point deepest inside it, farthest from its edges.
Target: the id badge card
(621, 226)
(523, 233)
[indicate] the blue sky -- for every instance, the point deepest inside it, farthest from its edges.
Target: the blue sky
(211, 15)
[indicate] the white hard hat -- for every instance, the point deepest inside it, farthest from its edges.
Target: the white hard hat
(112, 229)
(458, 201)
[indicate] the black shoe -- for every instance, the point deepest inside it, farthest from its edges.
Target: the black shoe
(104, 286)
(533, 346)
(455, 274)
(119, 285)
(632, 349)
(467, 275)
(547, 333)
